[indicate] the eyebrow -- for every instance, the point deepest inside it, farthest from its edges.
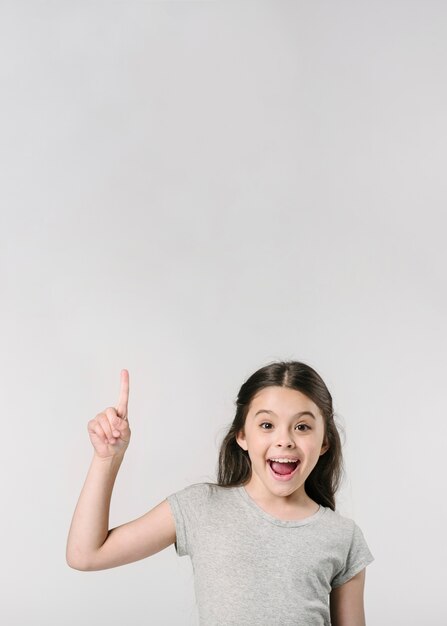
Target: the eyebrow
(300, 414)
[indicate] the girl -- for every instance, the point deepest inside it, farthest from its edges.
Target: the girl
(266, 544)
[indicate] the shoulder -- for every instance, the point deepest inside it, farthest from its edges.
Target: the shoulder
(197, 490)
(346, 526)
(200, 494)
(342, 530)
(196, 509)
(338, 523)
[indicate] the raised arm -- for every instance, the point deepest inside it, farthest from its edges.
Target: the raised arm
(91, 545)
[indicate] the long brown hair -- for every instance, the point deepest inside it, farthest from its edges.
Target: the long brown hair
(234, 465)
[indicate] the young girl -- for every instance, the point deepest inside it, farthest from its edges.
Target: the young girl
(266, 544)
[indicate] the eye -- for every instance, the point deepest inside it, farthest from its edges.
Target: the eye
(303, 427)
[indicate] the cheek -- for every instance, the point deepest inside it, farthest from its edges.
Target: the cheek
(313, 446)
(320, 436)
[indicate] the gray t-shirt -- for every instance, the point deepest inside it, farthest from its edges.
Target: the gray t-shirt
(251, 569)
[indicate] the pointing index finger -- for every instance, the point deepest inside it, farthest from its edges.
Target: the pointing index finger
(121, 408)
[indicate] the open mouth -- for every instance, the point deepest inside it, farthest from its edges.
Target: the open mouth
(283, 471)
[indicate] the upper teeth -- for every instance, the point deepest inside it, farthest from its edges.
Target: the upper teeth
(284, 460)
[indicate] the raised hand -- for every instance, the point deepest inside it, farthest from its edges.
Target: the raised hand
(109, 431)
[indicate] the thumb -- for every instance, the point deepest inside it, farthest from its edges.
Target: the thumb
(116, 422)
(120, 423)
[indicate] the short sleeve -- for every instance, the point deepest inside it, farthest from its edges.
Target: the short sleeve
(189, 508)
(358, 557)
(181, 546)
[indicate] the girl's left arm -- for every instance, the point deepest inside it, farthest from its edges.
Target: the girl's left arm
(346, 602)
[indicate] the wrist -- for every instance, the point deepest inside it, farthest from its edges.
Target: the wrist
(109, 462)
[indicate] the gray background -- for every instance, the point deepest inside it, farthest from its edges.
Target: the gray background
(191, 190)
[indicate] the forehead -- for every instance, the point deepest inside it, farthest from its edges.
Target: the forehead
(282, 401)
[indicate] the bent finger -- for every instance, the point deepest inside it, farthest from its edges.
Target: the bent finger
(117, 424)
(106, 425)
(96, 429)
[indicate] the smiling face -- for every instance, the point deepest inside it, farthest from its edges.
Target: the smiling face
(282, 423)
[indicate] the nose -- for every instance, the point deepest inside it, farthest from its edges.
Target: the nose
(285, 440)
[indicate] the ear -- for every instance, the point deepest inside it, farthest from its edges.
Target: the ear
(325, 447)
(241, 440)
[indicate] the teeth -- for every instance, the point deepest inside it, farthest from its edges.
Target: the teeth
(284, 460)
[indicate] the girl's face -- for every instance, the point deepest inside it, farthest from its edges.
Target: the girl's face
(282, 423)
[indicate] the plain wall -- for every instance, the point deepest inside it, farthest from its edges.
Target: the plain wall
(191, 190)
